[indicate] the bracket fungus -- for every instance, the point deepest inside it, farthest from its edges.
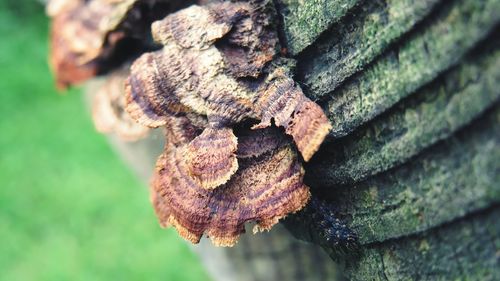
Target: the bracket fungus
(89, 37)
(266, 187)
(230, 164)
(236, 123)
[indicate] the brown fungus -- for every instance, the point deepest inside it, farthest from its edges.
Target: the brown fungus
(267, 186)
(220, 90)
(217, 74)
(212, 157)
(215, 63)
(86, 35)
(78, 35)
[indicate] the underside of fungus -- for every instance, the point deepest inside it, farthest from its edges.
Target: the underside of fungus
(236, 122)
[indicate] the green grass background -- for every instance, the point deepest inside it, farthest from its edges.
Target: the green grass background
(69, 209)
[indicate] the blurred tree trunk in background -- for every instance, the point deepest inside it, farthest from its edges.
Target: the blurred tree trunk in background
(411, 87)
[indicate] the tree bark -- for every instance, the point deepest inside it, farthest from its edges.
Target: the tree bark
(411, 88)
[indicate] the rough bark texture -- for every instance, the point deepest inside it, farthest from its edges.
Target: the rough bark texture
(463, 250)
(412, 90)
(304, 21)
(430, 114)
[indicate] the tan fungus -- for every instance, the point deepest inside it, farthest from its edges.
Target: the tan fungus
(219, 62)
(221, 91)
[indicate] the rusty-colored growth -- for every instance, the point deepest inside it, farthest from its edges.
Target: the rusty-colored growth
(285, 104)
(85, 35)
(220, 90)
(267, 186)
(108, 110)
(211, 157)
(216, 75)
(207, 67)
(79, 33)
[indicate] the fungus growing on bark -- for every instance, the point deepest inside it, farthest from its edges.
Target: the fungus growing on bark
(267, 186)
(108, 109)
(218, 74)
(191, 71)
(220, 90)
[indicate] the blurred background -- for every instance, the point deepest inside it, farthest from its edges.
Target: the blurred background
(69, 208)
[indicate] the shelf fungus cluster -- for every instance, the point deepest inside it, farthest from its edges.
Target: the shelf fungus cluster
(236, 123)
(216, 89)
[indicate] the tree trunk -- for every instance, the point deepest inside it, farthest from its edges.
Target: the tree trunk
(412, 89)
